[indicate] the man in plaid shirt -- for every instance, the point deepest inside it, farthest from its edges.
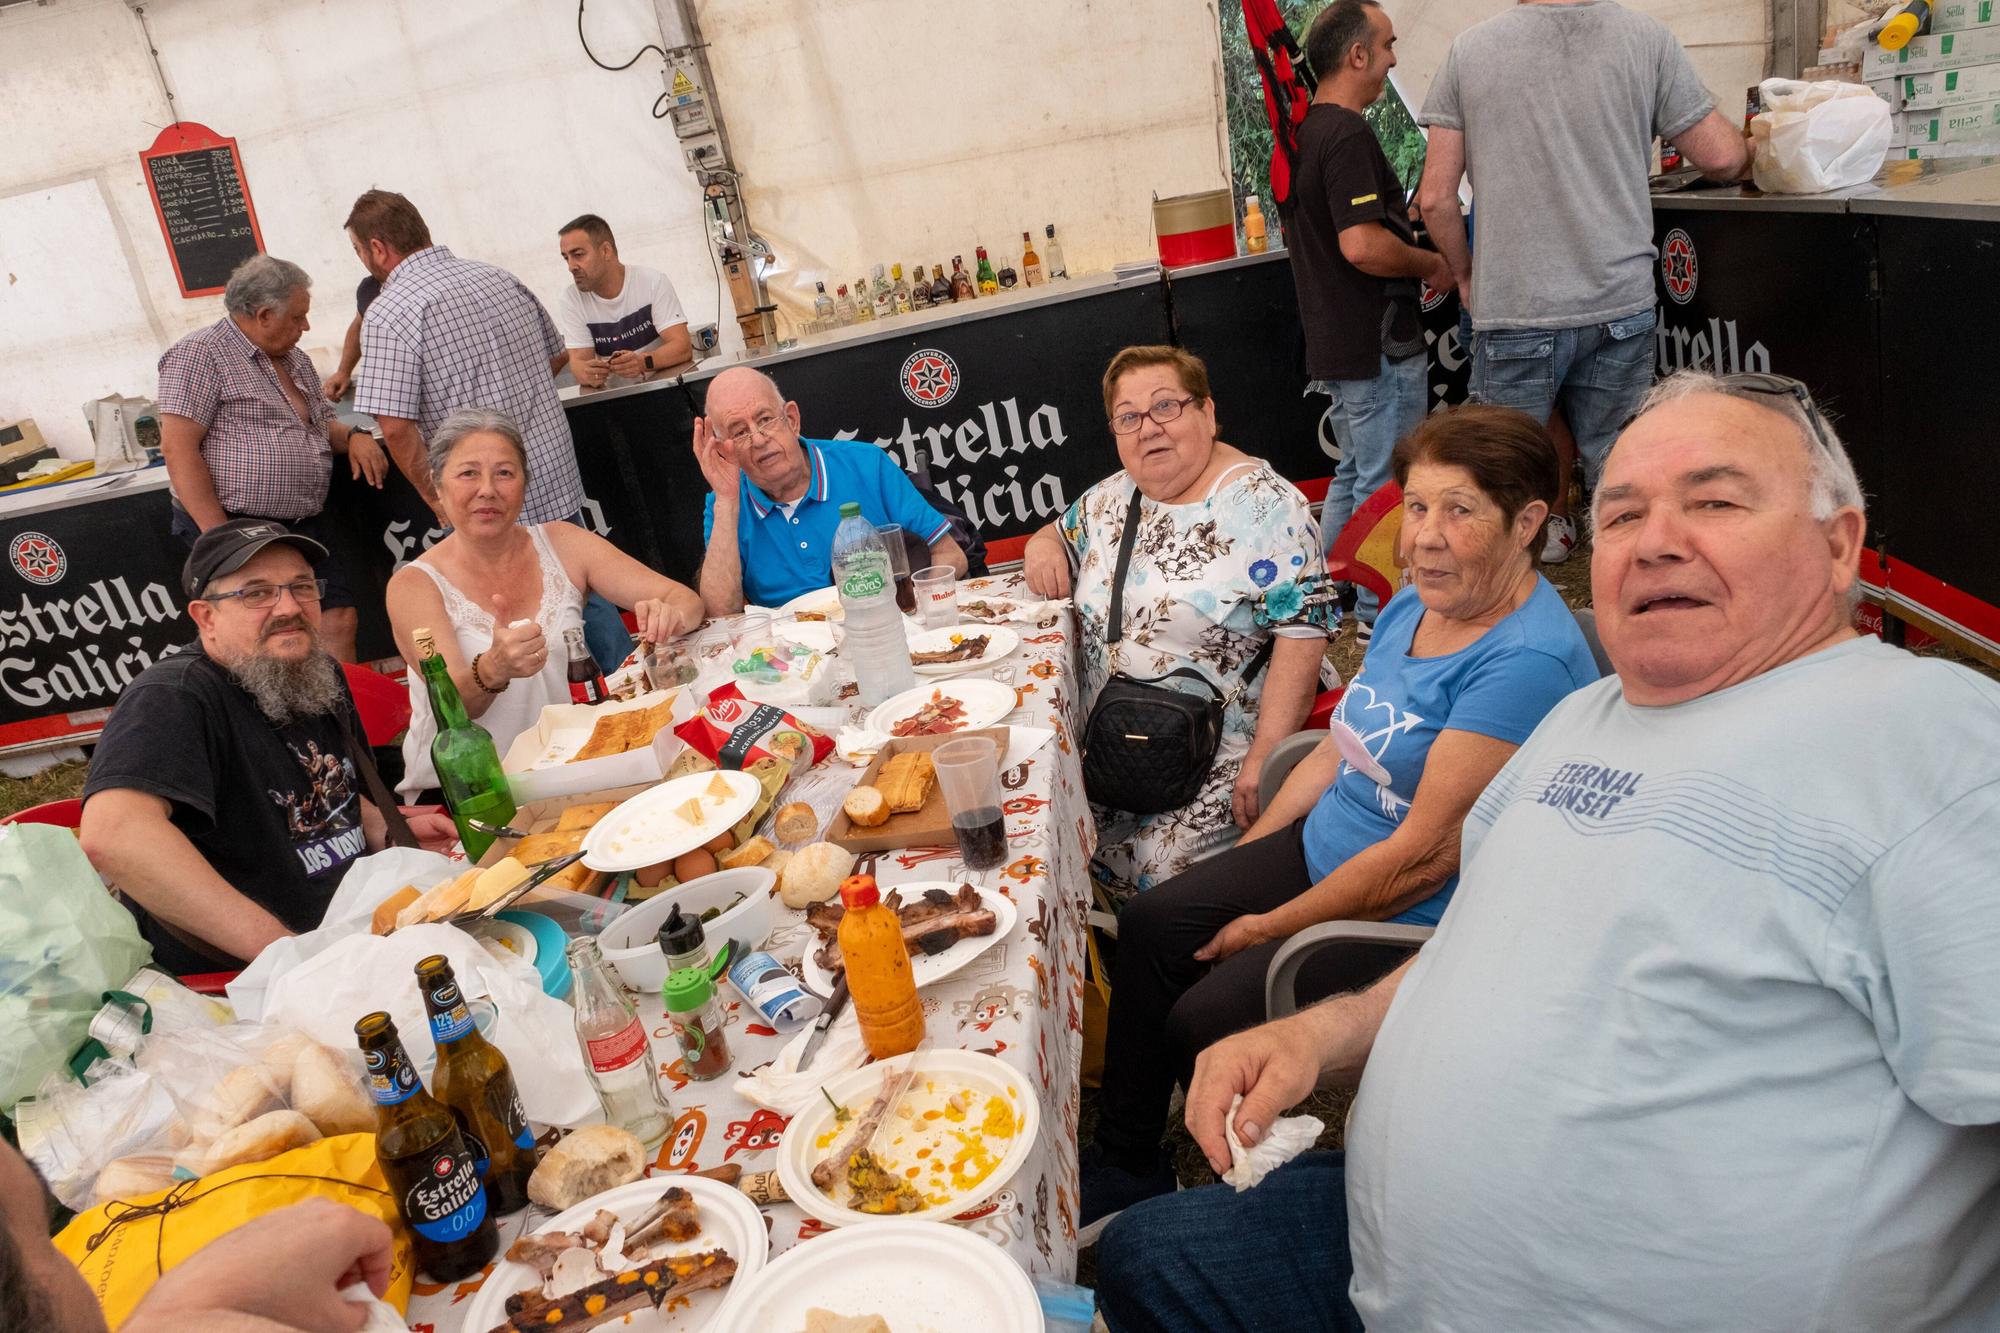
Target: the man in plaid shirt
(247, 433)
(447, 333)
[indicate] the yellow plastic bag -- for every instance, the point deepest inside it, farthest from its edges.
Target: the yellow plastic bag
(124, 1246)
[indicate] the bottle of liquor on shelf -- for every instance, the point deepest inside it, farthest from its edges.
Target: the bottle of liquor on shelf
(431, 1172)
(988, 284)
(899, 290)
(941, 288)
(920, 288)
(822, 304)
(961, 281)
(476, 1085)
(1031, 263)
(463, 754)
(843, 308)
(1008, 278)
(586, 680)
(1052, 255)
(864, 302)
(1255, 240)
(885, 295)
(616, 1052)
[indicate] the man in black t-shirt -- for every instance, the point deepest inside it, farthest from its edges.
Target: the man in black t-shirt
(1356, 268)
(223, 799)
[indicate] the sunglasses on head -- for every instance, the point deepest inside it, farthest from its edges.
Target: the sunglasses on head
(1783, 386)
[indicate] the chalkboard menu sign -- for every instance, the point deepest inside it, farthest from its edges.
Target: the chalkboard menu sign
(199, 195)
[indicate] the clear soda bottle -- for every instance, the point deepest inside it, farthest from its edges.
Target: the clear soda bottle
(616, 1051)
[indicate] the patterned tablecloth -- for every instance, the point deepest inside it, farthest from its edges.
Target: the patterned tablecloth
(1021, 1001)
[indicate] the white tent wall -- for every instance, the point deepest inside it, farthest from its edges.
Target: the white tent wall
(868, 131)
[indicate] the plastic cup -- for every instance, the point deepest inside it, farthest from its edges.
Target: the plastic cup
(968, 769)
(937, 595)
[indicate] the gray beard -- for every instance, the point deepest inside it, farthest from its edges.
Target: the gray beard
(288, 691)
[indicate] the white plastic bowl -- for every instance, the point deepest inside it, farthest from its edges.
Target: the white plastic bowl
(630, 942)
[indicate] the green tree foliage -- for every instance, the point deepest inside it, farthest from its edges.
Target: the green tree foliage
(1250, 129)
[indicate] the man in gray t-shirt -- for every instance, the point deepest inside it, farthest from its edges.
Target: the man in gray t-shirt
(1550, 110)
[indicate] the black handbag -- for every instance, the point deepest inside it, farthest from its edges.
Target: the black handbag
(1149, 744)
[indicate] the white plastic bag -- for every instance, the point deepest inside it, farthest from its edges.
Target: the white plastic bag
(1814, 137)
(358, 973)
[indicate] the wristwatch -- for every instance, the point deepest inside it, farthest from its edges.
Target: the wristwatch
(647, 357)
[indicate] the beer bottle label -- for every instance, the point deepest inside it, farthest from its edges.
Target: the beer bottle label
(481, 1159)
(505, 1104)
(446, 1202)
(621, 1048)
(450, 1019)
(389, 1081)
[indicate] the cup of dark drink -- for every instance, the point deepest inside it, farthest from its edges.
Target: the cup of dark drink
(968, 769)
(899, 566)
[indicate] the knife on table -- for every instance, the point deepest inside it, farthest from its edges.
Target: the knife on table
(834, 1004)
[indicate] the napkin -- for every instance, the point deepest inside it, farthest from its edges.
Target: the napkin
(857, 745)
(1288, 1136)
(782, 1088)
(382, 1316)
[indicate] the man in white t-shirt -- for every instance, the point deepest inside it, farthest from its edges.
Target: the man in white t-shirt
(1709, 1037)
(621, 323)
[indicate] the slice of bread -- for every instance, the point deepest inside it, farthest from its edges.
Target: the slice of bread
(865, 807)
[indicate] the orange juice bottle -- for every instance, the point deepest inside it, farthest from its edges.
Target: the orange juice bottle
(879, 982)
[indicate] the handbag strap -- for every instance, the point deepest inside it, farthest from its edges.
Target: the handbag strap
(399, 832)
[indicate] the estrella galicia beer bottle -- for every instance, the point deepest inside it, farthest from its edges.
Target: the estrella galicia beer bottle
(473, 1081)
(430, 1171)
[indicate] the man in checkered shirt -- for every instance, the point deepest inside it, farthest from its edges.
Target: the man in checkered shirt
(447, 333)
(247, 433)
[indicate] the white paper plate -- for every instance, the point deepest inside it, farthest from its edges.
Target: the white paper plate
(986, 702)
(920, 1277)
(1001, 641)
(729, 1221)
(825, 600)
(645, 829)
(948, 1071)
(926, 968)
(511, 936)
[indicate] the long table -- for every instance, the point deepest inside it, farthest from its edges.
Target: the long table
(1021, 1001)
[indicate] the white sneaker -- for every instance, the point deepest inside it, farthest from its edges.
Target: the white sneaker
(1561, 540)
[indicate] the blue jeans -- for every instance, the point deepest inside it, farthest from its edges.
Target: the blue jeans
(1272, 1257)
(604, 631)
(1596, 372)
(1369, 416)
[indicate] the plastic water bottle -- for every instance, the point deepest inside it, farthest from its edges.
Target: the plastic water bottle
(873, 640)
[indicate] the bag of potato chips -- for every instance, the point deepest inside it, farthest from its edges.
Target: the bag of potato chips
(734, 733)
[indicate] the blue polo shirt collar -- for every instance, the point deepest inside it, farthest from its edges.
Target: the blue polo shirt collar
(761, 504)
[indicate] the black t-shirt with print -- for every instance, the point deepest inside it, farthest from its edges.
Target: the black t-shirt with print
(1343, 180)
(276, 810)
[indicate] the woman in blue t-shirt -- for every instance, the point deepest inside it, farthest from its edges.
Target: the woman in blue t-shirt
(1464, 663)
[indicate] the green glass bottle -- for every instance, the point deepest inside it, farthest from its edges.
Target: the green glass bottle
(468, 765)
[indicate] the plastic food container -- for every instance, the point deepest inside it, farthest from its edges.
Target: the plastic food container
(630, 945)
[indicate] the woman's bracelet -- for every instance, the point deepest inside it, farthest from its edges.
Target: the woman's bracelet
(480, 680)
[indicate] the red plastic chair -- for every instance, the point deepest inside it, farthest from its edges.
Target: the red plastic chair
(63, 814)
(383, 701)
(1365, 551)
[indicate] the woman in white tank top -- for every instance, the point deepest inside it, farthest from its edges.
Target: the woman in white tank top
(507, 592)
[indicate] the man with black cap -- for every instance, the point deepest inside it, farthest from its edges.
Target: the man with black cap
(227, 796)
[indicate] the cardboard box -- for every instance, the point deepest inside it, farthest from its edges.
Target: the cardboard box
(537, 764)
(1937, 51)
(1951, 87)
(1979, 123)
(1959, 15)
(1899, 129)
(1976, 148)
(1890, 91)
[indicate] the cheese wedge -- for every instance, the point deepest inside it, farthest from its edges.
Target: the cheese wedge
(440, 902)
(719, 788)
(690, 810)
(496, 881)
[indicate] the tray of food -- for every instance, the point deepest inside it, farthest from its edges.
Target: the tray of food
(925, 1135)
(946, 924)
(950, 649)
(578, 748)
(653, 1256)
(898, 802)
(944, 709)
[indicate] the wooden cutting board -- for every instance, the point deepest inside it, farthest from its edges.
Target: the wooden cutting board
(928, 827)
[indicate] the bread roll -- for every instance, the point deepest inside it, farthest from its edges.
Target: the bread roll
(865, 807)
(752, 853)
(776, 862)
(261, 1139)
(590, 1161)
(392, 907)
(796, 822)
(238, 1098)
(326, 1091)
(133, 1178)
(814, 873)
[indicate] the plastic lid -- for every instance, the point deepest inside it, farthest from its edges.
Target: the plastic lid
(680, 934)
(686, 988)
(859, 891)
(850, 509)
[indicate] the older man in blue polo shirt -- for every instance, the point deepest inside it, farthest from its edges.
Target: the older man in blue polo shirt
(775, 497)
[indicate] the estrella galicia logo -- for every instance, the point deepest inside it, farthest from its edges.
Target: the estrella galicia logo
(1678, 267)
(37, 558)
(930, 377)
(1429, 298)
